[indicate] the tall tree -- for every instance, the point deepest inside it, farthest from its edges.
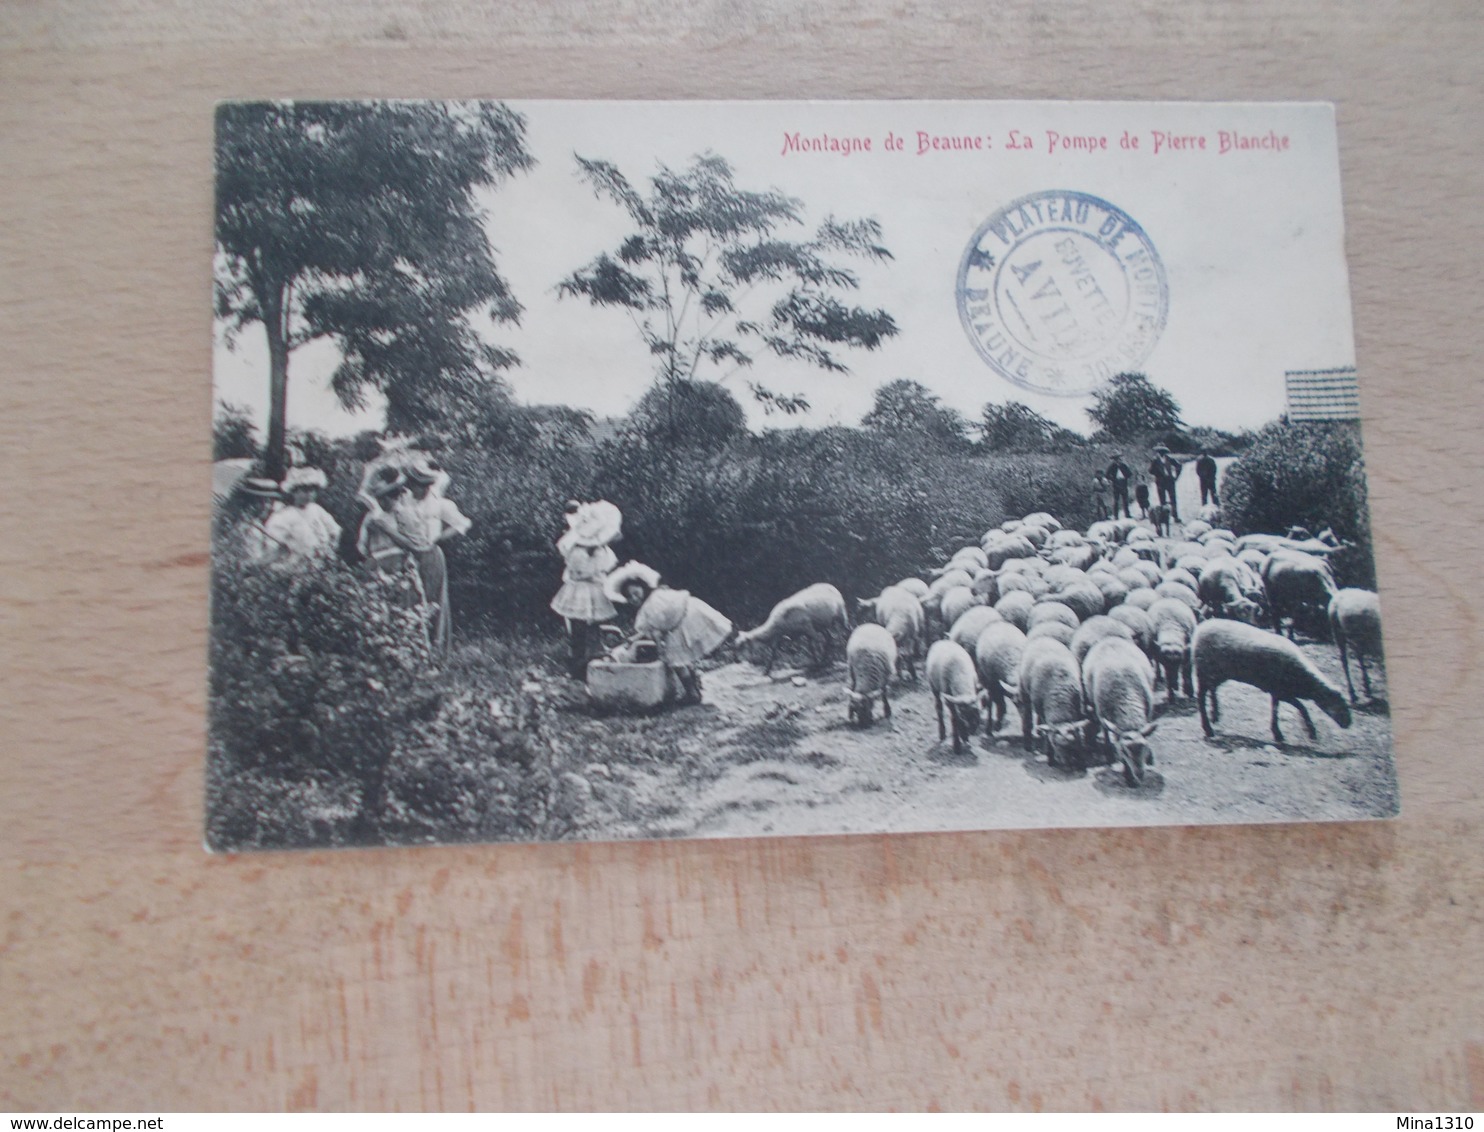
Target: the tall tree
(1130, 405)
(907, 410)
(1016, 427)
(712, 274)
(359, 222)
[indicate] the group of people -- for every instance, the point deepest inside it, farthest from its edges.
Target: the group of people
(408, 519)
(1163, 470)
(683, 627)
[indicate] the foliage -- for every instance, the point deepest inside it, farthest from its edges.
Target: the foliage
(233, 435)
(312, 674)
(713, 273)
(1308, 474)
(360, 222)
(905, 410)
(1129, 405)
(689, 414)
(1016, 427)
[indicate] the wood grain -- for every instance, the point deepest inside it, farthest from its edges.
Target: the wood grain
(1286, 966)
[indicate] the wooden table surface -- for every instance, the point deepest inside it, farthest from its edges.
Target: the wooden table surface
(1271, 967)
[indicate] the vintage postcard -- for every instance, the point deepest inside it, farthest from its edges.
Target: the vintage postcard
(596, 470)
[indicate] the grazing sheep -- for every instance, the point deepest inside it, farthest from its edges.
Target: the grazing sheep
(1015, 607)
(1229, 589)
(1056, 630)
(1138, 623)
(1113, 589)
(1141, 598)
(870, 661)
(968, 558)
(1096, 629)
(901, 615)
(1134, 579)
(914, 586)
(997, 655)
(1196, 527)
(1253, 559)
(1079, 556)
(965, 631)
(1185, 577)
(1036, 536)
(1085, 599)
(1001, 550)
(956, 602)
(1170, 555)
(1053, 611)
(1174, 591)
(1043, 519)
(1060, 576)
(1063, 538)
(1298, 586)
(1048, 695)
(1193, 564)
(1229, 650)
(954, 681)
(1120, 697)
(986, 586)
(815, 612)
(1174, 626)
(1355, 623)
(1210, 513)
(1218, 533)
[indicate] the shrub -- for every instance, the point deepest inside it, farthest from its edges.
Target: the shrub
(1309, 474)
(312, 674)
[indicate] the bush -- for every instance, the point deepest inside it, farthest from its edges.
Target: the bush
(1311, 475)
(312, 674)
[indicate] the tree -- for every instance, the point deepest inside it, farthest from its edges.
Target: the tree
(712, 274)
(1015, 427)
(689, 414)
(359, 222)
(906, 410)
(1130, 405)
(233, 435)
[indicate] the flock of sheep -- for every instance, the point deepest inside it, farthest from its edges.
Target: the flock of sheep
(1079, 629)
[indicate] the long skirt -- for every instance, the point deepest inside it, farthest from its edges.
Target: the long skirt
(432, 568)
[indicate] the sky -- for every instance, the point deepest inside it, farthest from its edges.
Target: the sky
(1251, 242)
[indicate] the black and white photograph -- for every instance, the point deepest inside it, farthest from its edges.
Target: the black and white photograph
(627, 470)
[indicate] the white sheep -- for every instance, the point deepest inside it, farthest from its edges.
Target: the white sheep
(997, 655)
(965, 631)
(914, 586)
(1052, 611)
(1229, 650)
(814, 613)
(1355, 623)
(1116, 677)
(1178, 591)
(954, 681)
(1094, 630)
(1015, 607)
(1174, 627)
(1084, 598)
(955, 603)
(1048, 695)
(1141, 598)
(1229, 589)
(901, 615)
(1056, 630)
(870, 661)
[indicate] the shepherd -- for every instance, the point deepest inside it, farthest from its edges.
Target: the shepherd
(589, 558)
(425, 520)
(685, 628)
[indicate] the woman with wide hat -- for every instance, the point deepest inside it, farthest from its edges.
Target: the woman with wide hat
(581, 602)
(685, 628)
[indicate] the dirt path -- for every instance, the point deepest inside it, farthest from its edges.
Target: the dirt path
(775, 756)
(1188, 487)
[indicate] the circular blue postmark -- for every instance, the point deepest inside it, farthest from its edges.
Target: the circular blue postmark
(1060, 290)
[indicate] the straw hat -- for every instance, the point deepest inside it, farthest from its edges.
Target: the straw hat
(596, 524)
(629, 572)
(304, 477)
(258, 486)
(422, 469)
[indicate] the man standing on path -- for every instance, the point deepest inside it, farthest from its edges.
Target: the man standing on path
(1205, 471)
(1118, 475)
(1164, 469)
